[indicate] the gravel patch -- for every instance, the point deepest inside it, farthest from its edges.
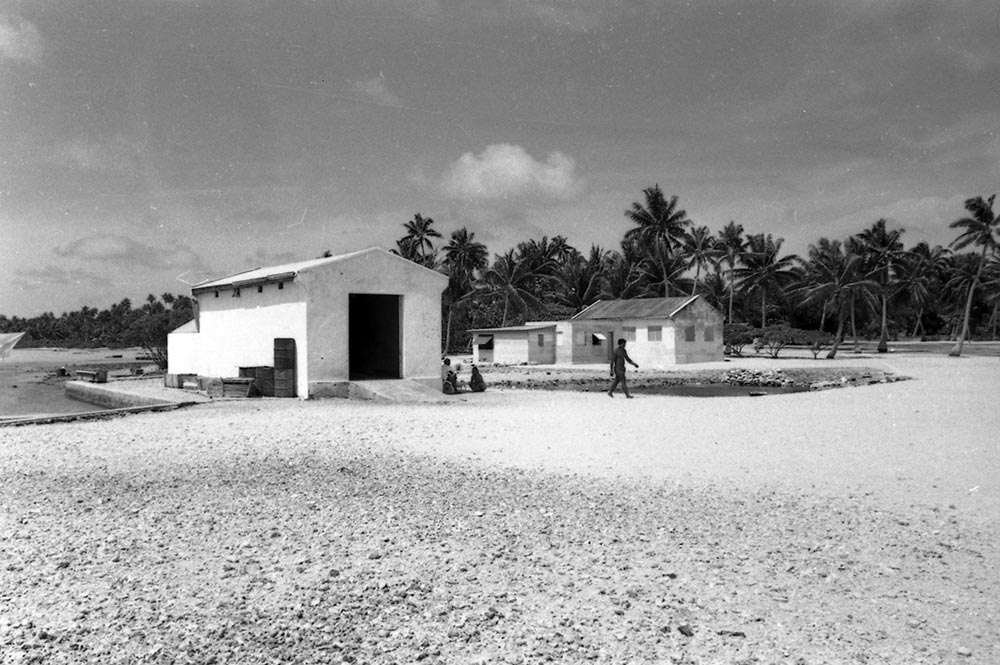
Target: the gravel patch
(286, 532)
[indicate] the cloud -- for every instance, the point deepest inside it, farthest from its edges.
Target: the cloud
(19, 40)
(40, 279)
(503, 171)
(115, 155)
(376, 90)
(570, 15)
(118, 249)
(263, 257)
(925, 218)
(576, 16)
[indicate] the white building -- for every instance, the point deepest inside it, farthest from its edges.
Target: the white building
(319, 323)
(659, 332)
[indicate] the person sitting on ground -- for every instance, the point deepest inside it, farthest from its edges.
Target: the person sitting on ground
(449, 378)
(477, 384)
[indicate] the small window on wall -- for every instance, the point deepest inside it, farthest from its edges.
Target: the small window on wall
(541, 340)
(236, 293)
(216, 294)
(689, 335)
(709, 333)
(654, 333)
(597, 339)
(629, 333)
(260, 288)
(281, 285)
(579, 338)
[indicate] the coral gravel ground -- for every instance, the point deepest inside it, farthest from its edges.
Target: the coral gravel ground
(277, 532)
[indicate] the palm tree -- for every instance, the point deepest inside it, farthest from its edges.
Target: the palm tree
(417, 241)
(463, 258)
(918, 279)
(543, 256)
(561, 250)
(831, 278)
(883, 251)
(624, 276)
(765, 271)
(578, 281)
(733, 245)
(659, 225)
(991, 287)
(699, 250)
(714, 290)
(513, 279)
(978, 229)
(825, 251)
(665, 270)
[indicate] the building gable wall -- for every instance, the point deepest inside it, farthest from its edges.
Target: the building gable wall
(328, 288)
(704, 323)
(313, 310)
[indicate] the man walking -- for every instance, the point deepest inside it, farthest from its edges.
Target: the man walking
(618, 361)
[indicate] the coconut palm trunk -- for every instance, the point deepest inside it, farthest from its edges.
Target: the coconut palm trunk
(730, 319)
(957, 349)
(919, 327)
(883, 340)
(964, 328)
(854, 324)
(447, 330)
(839, 337)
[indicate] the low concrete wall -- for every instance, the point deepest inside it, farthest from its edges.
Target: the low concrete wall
(326, 389)
(103, 395)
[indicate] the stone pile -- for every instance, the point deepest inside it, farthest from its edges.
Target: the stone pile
(757, 377)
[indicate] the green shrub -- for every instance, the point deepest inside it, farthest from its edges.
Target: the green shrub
(737, 335)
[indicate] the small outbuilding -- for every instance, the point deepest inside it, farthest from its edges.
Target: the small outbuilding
(313, 326)
(531, 343)
(660, 332)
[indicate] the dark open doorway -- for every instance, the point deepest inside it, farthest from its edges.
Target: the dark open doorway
(374, 336)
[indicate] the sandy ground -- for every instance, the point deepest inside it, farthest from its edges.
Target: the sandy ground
(932, 438)
(852, 525)
(929, 439)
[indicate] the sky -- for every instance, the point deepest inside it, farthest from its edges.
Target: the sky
(148, 145)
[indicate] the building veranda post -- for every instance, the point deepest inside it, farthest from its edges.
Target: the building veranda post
(316, 325)
(661, 332)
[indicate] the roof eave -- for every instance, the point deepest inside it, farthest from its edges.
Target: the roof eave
(240, 283)
(686, 303)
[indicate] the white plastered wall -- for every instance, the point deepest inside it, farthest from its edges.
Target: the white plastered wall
(648, 353)
(328, 289)
(240, 331)
(707, 345)
(510, 347)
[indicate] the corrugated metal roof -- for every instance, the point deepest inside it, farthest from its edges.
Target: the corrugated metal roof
(635, 308)
(288, 271)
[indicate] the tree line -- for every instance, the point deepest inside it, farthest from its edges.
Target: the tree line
(119, 326)
(865, 286)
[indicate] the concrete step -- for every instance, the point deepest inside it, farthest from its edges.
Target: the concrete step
(397, 390)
